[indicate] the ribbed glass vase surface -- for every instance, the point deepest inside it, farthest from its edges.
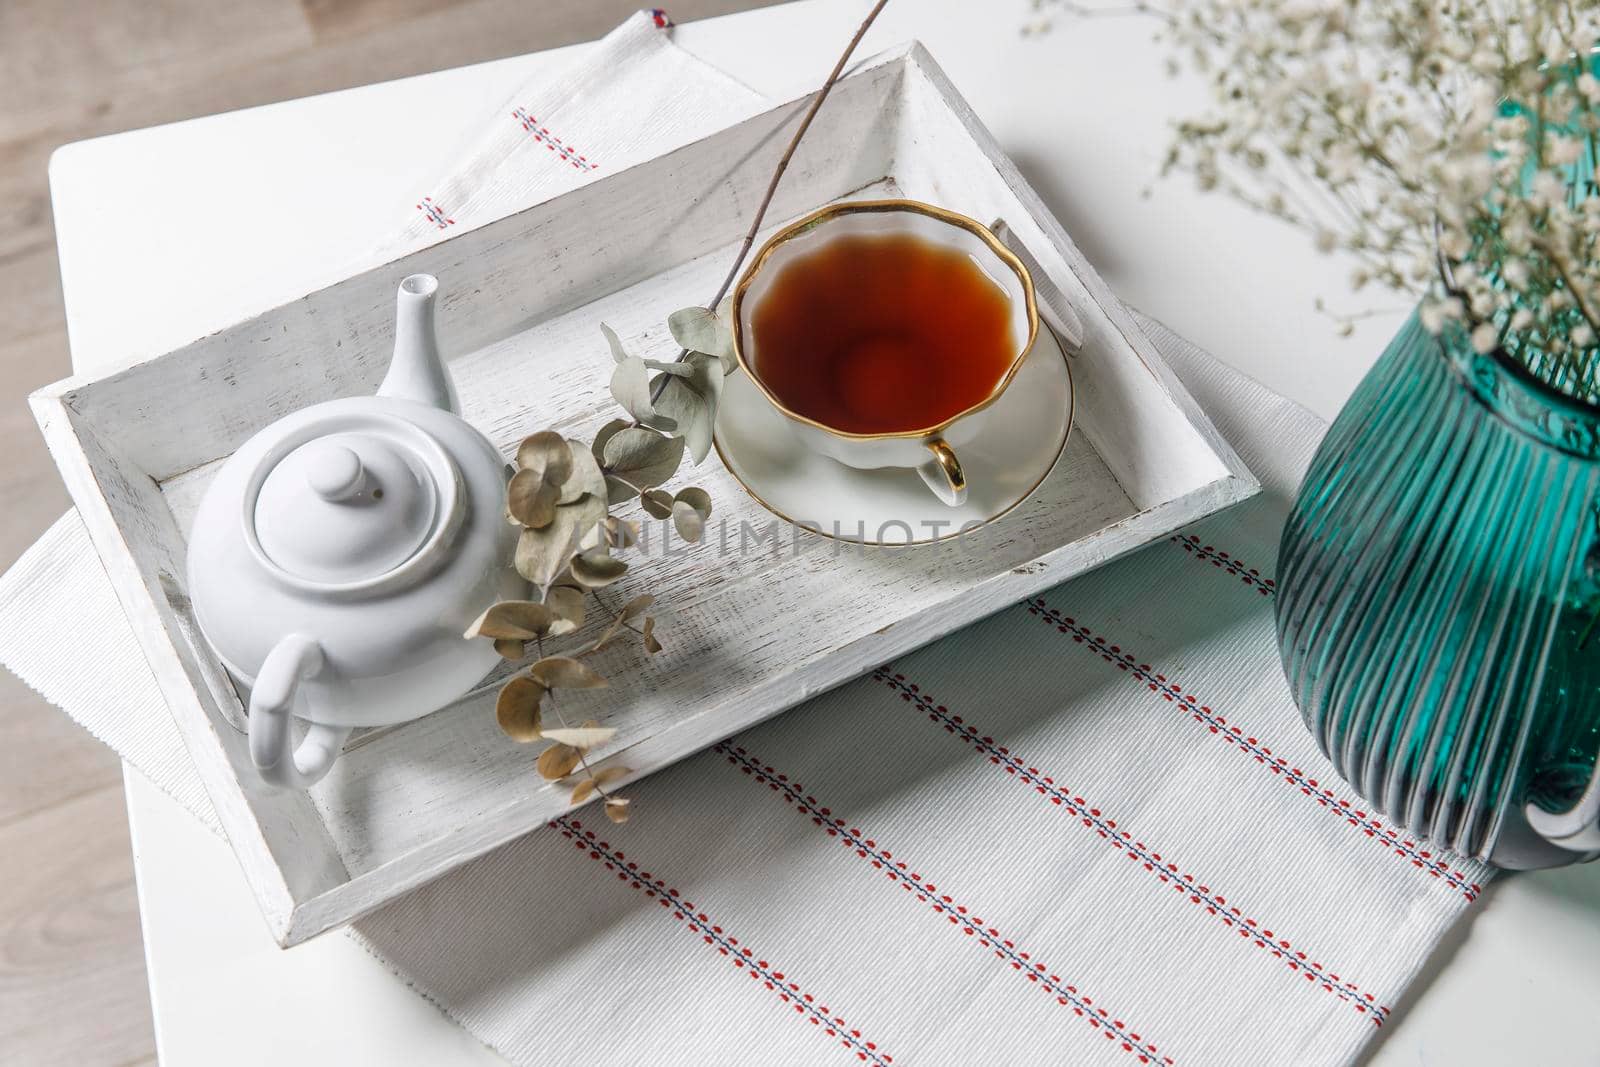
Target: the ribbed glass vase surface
(1439, 583)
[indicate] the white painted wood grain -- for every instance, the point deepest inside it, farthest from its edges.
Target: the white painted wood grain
(751, 625)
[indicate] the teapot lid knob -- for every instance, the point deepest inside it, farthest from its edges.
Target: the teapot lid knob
(348, 502)
(335, 472)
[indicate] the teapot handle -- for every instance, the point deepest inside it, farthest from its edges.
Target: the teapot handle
(293, 658)
(1577, 828)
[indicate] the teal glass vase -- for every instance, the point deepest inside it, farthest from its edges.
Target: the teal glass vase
(1439, 591)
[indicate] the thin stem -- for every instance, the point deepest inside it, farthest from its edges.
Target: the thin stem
(777, 175)
(1360, 316)
(788, 154)
(616, 616)
(583, 760)
(1551, 254)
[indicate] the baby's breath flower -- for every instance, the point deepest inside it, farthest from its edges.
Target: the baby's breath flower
(1446, 146)
(1561, 151)
(1485, 337)
(1549, 190)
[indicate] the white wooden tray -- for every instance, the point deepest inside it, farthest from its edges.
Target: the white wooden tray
(747, 635)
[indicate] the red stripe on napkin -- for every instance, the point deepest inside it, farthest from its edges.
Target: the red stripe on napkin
(786, 990)
(434, 213)
(533, 126)
(926, 892)
(1171, 691)
(1152, 861)
(1224, 562)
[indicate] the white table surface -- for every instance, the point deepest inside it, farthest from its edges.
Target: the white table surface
(168, 233)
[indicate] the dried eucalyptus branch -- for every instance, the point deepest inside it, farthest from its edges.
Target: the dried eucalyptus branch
(788, 153)
(562, 494)
(783, 165)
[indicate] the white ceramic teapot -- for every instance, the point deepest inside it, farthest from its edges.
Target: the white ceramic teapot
(341, 552)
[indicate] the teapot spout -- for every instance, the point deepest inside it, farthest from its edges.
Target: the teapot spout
(417, 371)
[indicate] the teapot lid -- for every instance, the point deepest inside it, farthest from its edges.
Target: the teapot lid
(348, 502)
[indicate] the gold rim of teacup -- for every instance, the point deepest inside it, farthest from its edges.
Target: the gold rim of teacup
(853, 207)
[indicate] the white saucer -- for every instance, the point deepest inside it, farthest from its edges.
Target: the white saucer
(1023, 437)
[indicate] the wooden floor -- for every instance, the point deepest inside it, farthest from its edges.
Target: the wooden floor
(72, 987)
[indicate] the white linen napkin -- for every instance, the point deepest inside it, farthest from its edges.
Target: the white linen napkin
(1090, 828)
(632, 97)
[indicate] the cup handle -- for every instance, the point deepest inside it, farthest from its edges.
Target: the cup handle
(942, 473)
(272, 750)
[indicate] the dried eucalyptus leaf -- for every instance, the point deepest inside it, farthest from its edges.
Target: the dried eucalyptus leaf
(692, 402)
(517, 708)
(630, 385)
(596, 569)
(595, 538)
(587, 511)
(674, 368)
(557, 761)
(620, 533)
(521, 620)
(648, 635)
(598, 780)
(687, 521)
(699, 330)
(617, 809)
(608, 636)
(696, 498)
(730, 361)
(531, 499)
(618, 353)
(547, 453)
(690, 510)
(606, 775)
(510, 648)
(564, 672)
(618, 491)
(636, 607)
(657, 503)
(542, 554)
(566, 607)
(582, 738)
(642, 457)
(630, 611)
(606, 432)
(585, 514)
(585, 476)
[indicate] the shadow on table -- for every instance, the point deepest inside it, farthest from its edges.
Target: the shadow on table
(1573, 889)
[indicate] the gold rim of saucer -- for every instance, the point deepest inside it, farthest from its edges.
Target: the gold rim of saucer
(1066, 435)
(852, 207)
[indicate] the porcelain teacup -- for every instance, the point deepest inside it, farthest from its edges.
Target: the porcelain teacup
(931, 451)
